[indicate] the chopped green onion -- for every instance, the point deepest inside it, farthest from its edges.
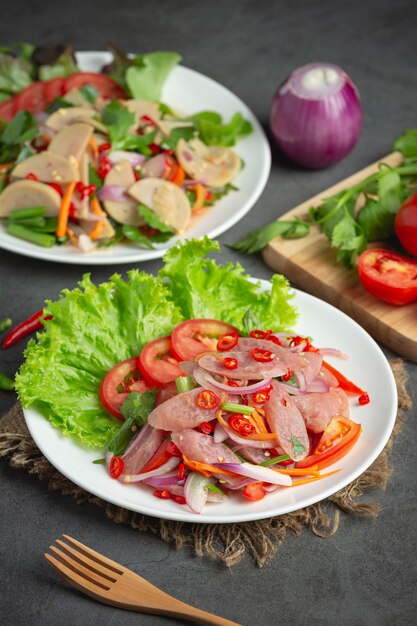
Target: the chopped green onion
(214, 489)
(184, 383)
(22, 214)
(40, 239)
(29, 222)
(6, 383)
(99, 461)
(277, 459)
(237, 408)
(6, 323)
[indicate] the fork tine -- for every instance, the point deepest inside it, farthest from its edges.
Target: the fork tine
(95, 556)
(88, 563)
(79, 581)
(79, 569)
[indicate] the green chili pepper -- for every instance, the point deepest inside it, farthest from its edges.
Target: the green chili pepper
(23, 214)
(6, 383)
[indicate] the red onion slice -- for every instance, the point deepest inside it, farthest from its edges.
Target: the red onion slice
(160, 471)
(332, 352)
(162, 481)
(317, 386)
(134, 158)
(155, 167)
(257, 472)
(219, 434)
(204, 378)
(195, 491)
(113, 193)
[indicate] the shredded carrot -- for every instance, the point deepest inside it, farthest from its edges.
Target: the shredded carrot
(178, 176)
(293, 471)
(255, 436)
(95, 206)
(95, 233)
(205, 468)
(94, 146)
(304, 481)
(259, 422)
(64, 210)
(71, 235)
(200, 196)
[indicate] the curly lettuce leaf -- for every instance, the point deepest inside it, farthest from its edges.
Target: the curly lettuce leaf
(147, 74)
(202, 288)
(93, 328)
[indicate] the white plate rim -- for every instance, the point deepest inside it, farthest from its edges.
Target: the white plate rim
(128, 253)
(38, 425)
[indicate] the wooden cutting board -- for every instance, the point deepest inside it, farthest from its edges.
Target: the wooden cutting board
(310, 265)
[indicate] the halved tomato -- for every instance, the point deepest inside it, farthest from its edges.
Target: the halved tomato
(388, 276)
(254, 491)
(8, 109)
(54, 88)
(193, 337)
(32, 98)
(106, 86)
(121, 380)
(157, 364)
(338, 438)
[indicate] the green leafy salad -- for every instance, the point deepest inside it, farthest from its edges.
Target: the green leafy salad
(94, 327)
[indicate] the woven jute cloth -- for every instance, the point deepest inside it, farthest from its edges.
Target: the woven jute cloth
(225, 542)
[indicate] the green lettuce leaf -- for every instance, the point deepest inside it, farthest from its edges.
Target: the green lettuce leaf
(146, 74)
(93, 328)
(202, 288)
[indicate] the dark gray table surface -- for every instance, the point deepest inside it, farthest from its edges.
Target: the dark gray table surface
(366, 573)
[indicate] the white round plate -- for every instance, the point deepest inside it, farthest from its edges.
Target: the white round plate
(189, 92)
(329, 327)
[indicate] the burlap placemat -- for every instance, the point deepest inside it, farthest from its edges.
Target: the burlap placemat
(225, 542)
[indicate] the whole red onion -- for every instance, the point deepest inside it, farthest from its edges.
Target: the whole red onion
(316, 115)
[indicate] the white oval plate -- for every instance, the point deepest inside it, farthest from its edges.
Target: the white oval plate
(188, 91)
(329, 327)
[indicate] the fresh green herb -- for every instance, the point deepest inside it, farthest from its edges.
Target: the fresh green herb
(153, 220)
(257, 239)
(135, 410)
(118, 121)
(297, 446)
(276, 459)
(22, 128)
(146, 74)
(6, 383)
(214, 488)
(213, 132)
(89, 93)
(184, 383)
(99, 461)
(250, 322)
(5, 323)
(407, 143)
(134, 234)
(16, 69)
(58, 62)
(230, 407)
(58, 103)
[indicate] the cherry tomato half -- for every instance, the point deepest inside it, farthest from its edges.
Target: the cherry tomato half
(388, 276)
(254, 491)
(405, 225)
(157, 363)
(193, 337)
(54, 88)
(338, 438)
(121, 380)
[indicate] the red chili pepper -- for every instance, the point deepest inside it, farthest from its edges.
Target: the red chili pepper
(232, 383)
(136, 175)
(230, 363)
(148, 120)
(164, 494)
(181, 471)
(258, 334)
(116, 466)
(179, 499)
(154, 148)
(72, 211)
(267, 389)
(364, 399)
(274, 339)
(85, 191)
(57, 188)
(32, 176)
(104, 167)
(207, 399)
(209, 196)
(104, 147)
(286, 377)
(227, 341)
(168, 151)
(241, 424)
(262, 356)
(173, 450)
(24, 328)
(260, 397)
(206, 428)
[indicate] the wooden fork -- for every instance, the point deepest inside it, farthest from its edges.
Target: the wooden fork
(112, 583)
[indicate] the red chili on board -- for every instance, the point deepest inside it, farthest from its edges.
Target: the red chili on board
(24, 328)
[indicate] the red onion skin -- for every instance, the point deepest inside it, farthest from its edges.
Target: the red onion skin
(316, 133)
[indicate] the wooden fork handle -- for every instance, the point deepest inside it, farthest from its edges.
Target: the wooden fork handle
(178, 609)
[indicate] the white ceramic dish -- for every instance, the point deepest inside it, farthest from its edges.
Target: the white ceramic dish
(190, 92)
(329, 327)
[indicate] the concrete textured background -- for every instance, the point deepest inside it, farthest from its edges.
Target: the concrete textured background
(365, 575)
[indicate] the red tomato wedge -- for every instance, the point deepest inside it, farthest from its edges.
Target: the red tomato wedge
(121, 380)
(388, 276)
(406, 225)
(338, 438)
(193, 337)
(32, 98)
(54, 88)
(7, 109)
(106, 86)
(254, 491)
(157, 364)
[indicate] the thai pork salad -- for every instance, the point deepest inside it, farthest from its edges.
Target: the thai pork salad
(96, 158)
(197, 408)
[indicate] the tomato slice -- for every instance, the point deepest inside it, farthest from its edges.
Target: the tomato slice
(193, 337)
(388, 276)
(405, 225)
(121, 380)
(8, 109)
(106, 86)
(54, 88)
(32, 98)
(338, 438)
(254, 491)
(157, 364)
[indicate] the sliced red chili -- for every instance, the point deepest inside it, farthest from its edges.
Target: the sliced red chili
(116, 466)
(207, 399)
(104, 167)
(179, 499)
(260, 397)
(85, 191)
(148, 120)
(164, 494)
(57, 188)
(258, 334)
(32, 176)
(227, 341)
(287, 376)
(181, 471)
(230, 363)
(261, 355)
(232, 383)
(240, 424)
(173, 450)
(275, 340)
(364, 399)
(104, 147)
(154, 148)
(206, 428)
